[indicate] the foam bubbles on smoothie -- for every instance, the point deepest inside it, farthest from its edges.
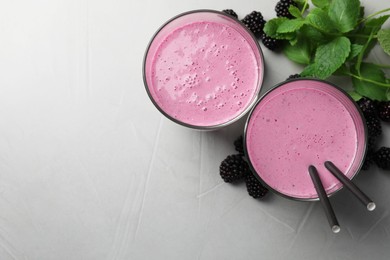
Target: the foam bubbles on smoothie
(211, 59)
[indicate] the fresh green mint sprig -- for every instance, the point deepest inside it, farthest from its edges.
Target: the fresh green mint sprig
(334, 38)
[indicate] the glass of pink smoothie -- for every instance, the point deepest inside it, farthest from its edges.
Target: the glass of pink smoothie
(301, 123)
(203, 69)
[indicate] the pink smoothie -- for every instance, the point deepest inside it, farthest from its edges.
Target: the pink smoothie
(204, 72)
(304, 123)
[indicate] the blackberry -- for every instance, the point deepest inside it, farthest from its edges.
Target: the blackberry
(382, 158)
(254, 187)
(371, 143)
(270, 42)
(230, 12)
(384, 111)
(254, 22)
(282, 6)
(373, 126)
(367, 106)
(369, 160)
(233, 168)
(239, 145)
(294, 76)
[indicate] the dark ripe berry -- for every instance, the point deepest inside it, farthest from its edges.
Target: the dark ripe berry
(382, 158)
(270, 43)
(374, 127)
(294, 76)
(371, 147)
(384, 111)
(233, 168)
(254, 187)
(230, 12)
(368, 106)
(369, 160)
(282, 6)
(239, 145)
(371, 143)
(254, 22)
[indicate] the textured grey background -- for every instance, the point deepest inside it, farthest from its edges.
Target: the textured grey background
(89, 169)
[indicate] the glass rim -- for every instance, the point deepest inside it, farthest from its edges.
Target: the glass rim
(260, 63)
(365, 135)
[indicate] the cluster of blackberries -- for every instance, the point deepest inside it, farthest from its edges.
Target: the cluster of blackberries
(235, 168)
(374, 112)
(255, 22)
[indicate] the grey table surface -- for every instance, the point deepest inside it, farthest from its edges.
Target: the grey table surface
(89, 169)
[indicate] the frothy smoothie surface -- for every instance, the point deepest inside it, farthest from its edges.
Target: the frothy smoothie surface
(204, 73)
(296, 125)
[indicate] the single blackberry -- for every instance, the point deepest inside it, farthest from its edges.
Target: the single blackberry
(282, 6)
(254, 187)
(371, 143)
(368, 106)
(254, 22)
(239, 145)
(233, 168)
(294, 76)
(270, 43)
(369, 160)
(230, 12)
(382, 158)
(384, 111)
(374, 127)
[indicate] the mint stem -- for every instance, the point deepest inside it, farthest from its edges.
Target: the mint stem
(362, 52)
(382, 65)
(304, 6)
(374, 14)
(361, 36)
(368, 80)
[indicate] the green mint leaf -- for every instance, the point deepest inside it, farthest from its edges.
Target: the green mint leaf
(272, 26)
(288, 26)
(320, 3)
(344, 13)
(355, 50)
(314, 36)
(320, 20)
(368, 89)
(372, 26)
(375, 24)
(329, 57)
(309, 71)
(384, 40)
(354, 95)
(294, 11)
(299, 53)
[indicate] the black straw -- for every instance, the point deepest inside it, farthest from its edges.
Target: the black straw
(334, 224)
(350, 185)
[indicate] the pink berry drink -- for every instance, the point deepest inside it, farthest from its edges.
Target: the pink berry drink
(301, 123)
(203, 69)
